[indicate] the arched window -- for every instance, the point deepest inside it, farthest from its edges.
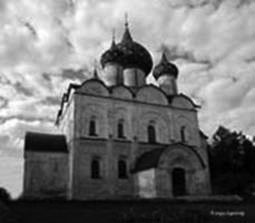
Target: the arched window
(121, 129)
(183, 134)
(122, 169)
(92, 126)
(151, 133)
(95, 168)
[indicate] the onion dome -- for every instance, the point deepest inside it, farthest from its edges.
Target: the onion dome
(113, 55)
(165, 67)
(134, 54)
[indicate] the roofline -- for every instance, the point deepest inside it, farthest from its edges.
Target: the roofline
(110, 89)
(188, 98)
(135, 101)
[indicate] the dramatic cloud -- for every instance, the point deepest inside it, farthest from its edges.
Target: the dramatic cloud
(45, 45)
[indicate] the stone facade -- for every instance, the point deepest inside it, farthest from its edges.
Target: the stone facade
(125, 138)
(94, 99)
(46, 175)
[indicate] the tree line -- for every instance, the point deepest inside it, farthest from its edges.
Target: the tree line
(232, 163)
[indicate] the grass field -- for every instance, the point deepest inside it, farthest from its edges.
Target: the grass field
(132, 211)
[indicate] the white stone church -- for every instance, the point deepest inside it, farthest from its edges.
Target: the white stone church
(121, 138)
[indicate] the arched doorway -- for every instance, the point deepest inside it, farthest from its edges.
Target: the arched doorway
(178, 182)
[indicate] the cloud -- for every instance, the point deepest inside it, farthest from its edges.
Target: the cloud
(3, 102)
(11, 172)
(13, 132)
(45, 45)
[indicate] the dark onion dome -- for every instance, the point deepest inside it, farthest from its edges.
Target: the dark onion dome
(165, 67)
(134, 54)
(113, 55)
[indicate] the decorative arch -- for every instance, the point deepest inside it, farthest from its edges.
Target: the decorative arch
(122, 92)
(93, 113)
(120, 122)
(160, 123)
(181, 156)
(164, 161)
(175, 155)
(183, 101)
(185, 129)
(151, 94)
(94, 87)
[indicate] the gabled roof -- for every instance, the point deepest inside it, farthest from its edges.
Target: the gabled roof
(39, 142)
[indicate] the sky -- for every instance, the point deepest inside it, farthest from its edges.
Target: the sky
(45, 45)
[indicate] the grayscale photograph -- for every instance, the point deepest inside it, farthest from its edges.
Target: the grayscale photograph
(139, 111)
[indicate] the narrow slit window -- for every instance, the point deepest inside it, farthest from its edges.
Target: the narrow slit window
(120, 127)
(151, 133)
(183, 134)
(122, 169)
(92, 127)
(95, 168)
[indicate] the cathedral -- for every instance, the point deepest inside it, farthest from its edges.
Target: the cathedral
(121, 138)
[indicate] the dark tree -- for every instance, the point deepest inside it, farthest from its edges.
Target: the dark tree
(4, 195)
(231, 157)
